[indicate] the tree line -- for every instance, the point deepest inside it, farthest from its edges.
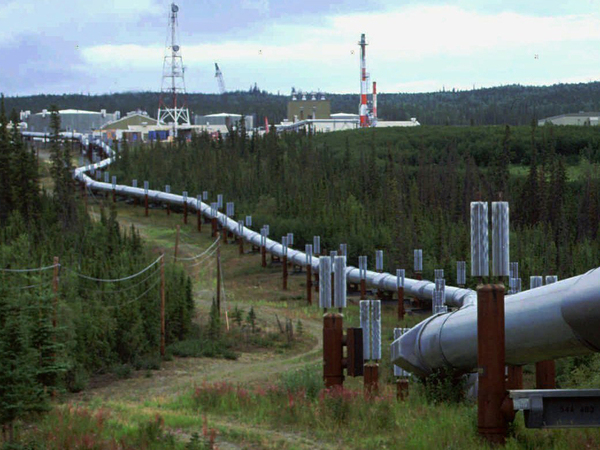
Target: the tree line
(54, 337)
(399, 189)
(512, 104)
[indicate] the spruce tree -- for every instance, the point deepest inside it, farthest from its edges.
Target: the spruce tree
(5, 166)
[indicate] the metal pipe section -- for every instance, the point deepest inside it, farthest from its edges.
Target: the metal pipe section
(384, 281)
(557, 320)
(554, 321)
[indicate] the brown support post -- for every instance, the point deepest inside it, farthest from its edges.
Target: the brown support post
(224, 233)
(419, 276)
(285, 273)
(401, 389)
(333, 334)
(317, 282)
(363, 289)
(146, 204)
(199, 219)
(168, 209)
(371, 379)
(545, 375)
(55, 291)
(400, 303)
(309, 284)
(162, 306)
(241, 243)
(219, 278)
(176, 244)
(185, 212)
(215, 230)
(263, 256)
(491, 423)
(332, 286)
(515, 378)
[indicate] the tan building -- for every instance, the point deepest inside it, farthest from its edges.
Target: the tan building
(304, 109)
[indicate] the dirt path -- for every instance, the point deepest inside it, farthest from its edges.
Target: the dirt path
(182, 374)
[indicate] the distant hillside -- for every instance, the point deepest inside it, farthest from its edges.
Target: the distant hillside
(514, 105)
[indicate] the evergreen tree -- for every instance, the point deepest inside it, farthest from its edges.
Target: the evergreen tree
(5, 166)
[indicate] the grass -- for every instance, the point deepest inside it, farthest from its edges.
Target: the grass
(271, 397)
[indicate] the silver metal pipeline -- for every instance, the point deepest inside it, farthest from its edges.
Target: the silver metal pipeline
(385, 281)
(554, 321)
(557, 320)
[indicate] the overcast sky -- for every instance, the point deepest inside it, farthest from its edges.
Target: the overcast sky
(81, 46)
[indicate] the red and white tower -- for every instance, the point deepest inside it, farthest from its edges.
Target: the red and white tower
(172, 107)
(374, 120)
(362, 110)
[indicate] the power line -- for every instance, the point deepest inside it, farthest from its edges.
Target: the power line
(29, 270)
(116, 280)
(137, 298)
(200, 254)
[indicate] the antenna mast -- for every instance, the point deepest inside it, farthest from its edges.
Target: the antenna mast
(173, 82)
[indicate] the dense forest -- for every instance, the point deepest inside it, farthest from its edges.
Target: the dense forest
(513, 104)
(61, 324)
(400, 189)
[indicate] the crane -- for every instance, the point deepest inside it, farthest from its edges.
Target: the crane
(219, 77)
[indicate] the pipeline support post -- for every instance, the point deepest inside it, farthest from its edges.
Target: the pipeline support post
(400, 303)
(333, 334)
(199, 220)
(401, 389)
(371, 379)
(545, 375)
(215, 230)
(514, 380)
(317, 282)
(285, 273)
(146, 204)
(309, 284)
(491, 422)
(263, 255)
(363, 289)
(241, 244)
(185, 212)
(224, 233)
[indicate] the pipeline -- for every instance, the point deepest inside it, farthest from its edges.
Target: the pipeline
(384, 281)
(557, 320)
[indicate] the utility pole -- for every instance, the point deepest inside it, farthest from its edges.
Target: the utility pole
(219, 277)
(162, 306)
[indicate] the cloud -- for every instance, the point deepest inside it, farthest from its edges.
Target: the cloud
(261, 6)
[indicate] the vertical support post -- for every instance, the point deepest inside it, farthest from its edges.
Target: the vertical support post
(185, 212)
(224, 234)
(285, 272)
(199, 219)
(491, 423)
(363, 289)
(401, 389)
(219, 278)
(400, 303)
(309, 284)
(515, 378)
(55, 291)
(333, 330)
(263, 255)
(162, 306)
(241, 244)
(371, 380)
(545, 375)
(317, 282)
(146, 205)
(176, 244)
(215, 231)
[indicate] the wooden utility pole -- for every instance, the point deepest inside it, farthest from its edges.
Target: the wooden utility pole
(219, 277)
(162, 305)
(176, 244)
(55, 290)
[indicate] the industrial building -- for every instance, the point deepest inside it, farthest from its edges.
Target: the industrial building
(75, 120)
(315, 107)
(220, 121)
(581, 119)
(132, 127)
